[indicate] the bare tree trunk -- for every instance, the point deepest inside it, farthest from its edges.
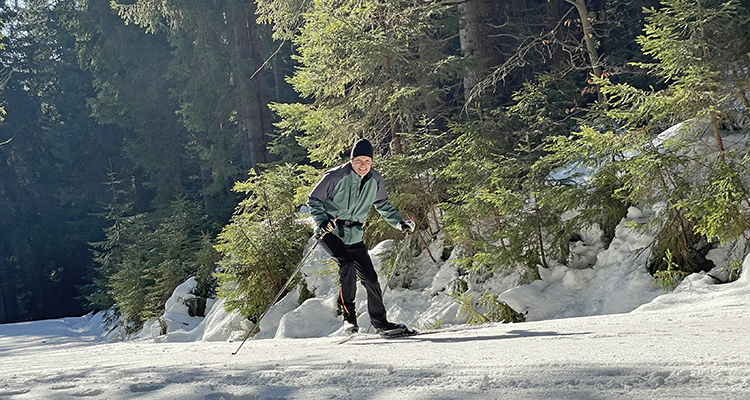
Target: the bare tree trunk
(209, 201)
(743, 97)
(717, 136)
(3, 319)
(539, 236)
(9, 312)
(431, 103)
(589, 38)
(396, 145)
(284, 90)
(714, 117)
(141, 205)
(278, 80)
(250, 89)
(474, 36)
(554, 15)
(260, 85)
(170, 178)
(588, 35)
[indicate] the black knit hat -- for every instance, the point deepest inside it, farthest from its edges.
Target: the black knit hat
(362, 148)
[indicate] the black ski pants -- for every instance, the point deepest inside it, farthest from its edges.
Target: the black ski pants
(354, 261)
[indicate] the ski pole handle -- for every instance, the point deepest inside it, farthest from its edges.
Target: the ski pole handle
(413, 226)
(320, 235)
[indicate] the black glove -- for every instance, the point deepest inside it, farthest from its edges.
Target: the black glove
(326, 227)
(406, 226)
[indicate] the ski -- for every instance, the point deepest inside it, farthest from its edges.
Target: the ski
(351, 336)
(458, 328)
(362, 335)
(358, 337)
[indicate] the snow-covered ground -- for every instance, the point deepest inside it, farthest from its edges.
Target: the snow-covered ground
(598, 329)
(691, 344)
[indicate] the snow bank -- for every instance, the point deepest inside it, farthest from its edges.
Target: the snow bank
(217, 325)
(599, 281)
(618, 282)
(316, 317)
(176, 320)
(701, 290)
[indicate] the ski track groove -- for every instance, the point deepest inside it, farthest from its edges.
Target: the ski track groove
(659, 382)
(575, 359)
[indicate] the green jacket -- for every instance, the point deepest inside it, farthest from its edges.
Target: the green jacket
(342, 193)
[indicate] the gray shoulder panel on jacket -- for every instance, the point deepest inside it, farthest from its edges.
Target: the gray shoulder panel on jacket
(382, 194)
(322, 191)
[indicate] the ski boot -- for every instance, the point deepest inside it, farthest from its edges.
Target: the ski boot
(394, 330)
(350, 328)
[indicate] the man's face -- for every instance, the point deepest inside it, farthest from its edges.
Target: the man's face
(361, 165)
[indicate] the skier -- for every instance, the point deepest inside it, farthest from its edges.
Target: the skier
(339, 204)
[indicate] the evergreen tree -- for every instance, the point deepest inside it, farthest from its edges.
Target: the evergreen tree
(263, 242)
(128, 71)
(501, 208)
(695, 182)
(144, 256)
(3, 77)
(369, 69)
(499, 212)
(52, 167)
(215, 43)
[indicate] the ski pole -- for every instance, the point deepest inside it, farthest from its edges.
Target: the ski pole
(318, 238)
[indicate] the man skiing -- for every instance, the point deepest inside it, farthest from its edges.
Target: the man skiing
(339, 204)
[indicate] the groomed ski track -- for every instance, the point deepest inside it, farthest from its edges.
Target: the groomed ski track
(681, 353)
